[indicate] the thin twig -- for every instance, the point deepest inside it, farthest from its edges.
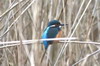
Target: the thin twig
(65, 45)
(28, 42)
(74, 23)
(35, 40)
(10, 17)
(15, 21)
(9, 9)
(95, 52)
(82, 42)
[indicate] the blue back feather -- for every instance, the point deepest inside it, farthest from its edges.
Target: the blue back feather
(49, 33)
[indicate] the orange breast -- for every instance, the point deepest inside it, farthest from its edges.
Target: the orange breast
(59, 35)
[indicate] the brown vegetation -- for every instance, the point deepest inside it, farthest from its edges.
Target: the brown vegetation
(26, 19)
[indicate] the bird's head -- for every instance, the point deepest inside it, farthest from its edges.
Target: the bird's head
(55, 23)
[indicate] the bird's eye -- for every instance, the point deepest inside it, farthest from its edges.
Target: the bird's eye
(58, 24)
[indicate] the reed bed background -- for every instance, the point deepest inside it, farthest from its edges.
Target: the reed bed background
(26, 19)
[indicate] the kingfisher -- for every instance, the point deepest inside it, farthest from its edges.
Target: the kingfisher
(53, 30)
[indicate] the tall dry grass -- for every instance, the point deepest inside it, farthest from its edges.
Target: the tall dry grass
(26, 19)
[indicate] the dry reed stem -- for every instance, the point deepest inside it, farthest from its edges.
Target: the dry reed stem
(24, 20)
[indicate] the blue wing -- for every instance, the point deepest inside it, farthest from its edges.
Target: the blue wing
(49, 33)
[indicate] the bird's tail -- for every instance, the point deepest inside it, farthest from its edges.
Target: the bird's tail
(42, 57)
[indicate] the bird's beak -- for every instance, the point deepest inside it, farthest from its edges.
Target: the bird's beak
(63, 24)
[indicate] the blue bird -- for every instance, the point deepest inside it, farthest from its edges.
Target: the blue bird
(52, 30)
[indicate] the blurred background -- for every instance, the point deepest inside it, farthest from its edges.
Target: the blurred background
(26, 20)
